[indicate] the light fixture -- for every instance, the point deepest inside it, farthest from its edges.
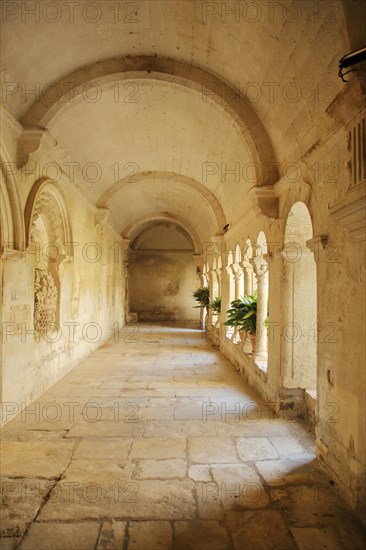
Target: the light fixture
(350, 59)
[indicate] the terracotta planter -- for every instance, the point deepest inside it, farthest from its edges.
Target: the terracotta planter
(242, 335)
(253, 338)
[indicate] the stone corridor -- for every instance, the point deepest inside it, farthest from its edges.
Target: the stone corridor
(156, 442)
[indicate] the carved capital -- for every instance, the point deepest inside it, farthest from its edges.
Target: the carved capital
(260, 267)
(265, 201)
(317, 242)
(101, 216)
(125, 243)
(30, 140)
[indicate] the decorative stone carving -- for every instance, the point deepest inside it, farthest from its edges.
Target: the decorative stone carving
(46, 201)
(45, 301)
(46, 206)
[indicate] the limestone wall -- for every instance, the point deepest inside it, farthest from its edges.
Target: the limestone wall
(163, 276)
(336, 205)
(162, 285)
(80, 295)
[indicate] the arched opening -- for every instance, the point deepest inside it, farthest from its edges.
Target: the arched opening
(163, 274)
(299, 303)
(49, 237)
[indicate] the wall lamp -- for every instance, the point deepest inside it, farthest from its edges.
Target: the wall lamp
(350, 59)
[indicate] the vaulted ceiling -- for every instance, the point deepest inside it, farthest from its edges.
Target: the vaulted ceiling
(165, 98)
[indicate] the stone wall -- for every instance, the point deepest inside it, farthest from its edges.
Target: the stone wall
(334, 195)
(163, 276)
(60, 299)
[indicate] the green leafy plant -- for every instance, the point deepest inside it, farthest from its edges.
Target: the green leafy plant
(215, 305)
(202, 296)
(250, 318)
(243, 314)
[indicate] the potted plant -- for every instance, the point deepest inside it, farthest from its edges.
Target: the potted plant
(202, 296)
(215, 305)
(243, 315)
(250, 318)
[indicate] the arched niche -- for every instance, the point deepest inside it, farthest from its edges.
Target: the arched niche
(46, 201)
(49, 237)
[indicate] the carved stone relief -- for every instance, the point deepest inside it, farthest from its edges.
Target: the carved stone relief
(45, 301)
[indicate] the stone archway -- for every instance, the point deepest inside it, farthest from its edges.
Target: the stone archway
(49, 237)
(11, 218)
(299, 332)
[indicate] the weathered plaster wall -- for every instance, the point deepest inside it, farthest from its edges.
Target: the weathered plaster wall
(163, 276)
(91, 292)
(161, 286)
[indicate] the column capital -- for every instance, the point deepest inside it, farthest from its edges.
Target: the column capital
(317, 242)
(260, 267)
(125, 243)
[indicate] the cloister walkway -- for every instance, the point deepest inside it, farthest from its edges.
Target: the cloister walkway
(156, 442)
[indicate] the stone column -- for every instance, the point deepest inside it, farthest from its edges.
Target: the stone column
(125, 247)
(237, 275)
(237, 272)
(261, 272)
(248, 283)
(209, 312)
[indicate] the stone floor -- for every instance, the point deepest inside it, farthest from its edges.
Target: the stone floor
(156, 442)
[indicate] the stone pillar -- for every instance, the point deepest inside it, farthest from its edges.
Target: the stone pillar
(125, 247)
(238, 272)
(209, 312)
(248, 282)
(261, 273)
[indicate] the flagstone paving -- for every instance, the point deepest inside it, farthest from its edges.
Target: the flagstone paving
(160, 444)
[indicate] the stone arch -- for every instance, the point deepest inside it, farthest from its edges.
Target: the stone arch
(299, 302)
(203, 192)
(71, 86)
(46, 198)
(12, 234)
(140, 224)
(49, 236)
(159, 224)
